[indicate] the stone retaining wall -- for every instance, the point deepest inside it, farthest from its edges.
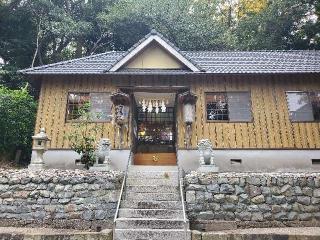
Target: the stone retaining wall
(58, 198)
(254, 199)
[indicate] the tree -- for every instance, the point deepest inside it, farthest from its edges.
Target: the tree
(274, 27)
(17, 117)
(191, 25)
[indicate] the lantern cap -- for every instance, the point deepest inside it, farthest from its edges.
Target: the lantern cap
(120, 98)
(41, 135)
(188, 98)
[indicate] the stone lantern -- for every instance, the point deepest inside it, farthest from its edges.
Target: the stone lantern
(206, 157)
(121, 102)
(188, 101)
(39, 146)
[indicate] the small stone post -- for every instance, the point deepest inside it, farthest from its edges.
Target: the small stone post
(206, 157)
(39, 146)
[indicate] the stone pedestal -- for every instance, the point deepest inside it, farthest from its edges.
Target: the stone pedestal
(100, 167)
(208, 168)
(36, 166)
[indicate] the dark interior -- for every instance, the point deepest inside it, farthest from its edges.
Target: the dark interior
(155, 131)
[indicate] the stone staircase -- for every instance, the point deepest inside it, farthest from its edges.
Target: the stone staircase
(151, 206)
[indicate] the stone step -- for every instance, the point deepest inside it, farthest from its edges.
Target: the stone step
(152, 181)
(154, 174)
(153, 188)
(150, 213)
(143, 204)
(148, 168)
(150, 223)
(152, 234)
(153, 196)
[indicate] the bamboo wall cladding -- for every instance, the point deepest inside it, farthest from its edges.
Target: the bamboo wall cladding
(269, 129)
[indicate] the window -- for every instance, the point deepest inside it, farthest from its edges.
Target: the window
(228, 106)
(100, 106)
(304, 106)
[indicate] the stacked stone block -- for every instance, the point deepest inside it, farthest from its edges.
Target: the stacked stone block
(75, 199)
(255, 197)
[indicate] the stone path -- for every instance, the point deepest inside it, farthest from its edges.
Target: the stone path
(152, 206)
(307, 233)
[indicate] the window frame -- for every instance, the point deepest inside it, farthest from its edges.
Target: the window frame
(227, 121)
(308, 92)
(79, 121)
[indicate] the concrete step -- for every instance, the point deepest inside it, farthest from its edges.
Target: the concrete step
(153, 188)
(143, 204)
(150, 213)
(153, 196)
(152, 181)
(152, 234)
(153, 174)
(150, 223)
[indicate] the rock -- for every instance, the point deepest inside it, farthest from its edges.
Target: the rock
(305, 216)
(254, 181)
(292, 216)
(257, 216)
(243, 216)
(253, 208)
(232, 198)
(228, 207)
(100, 214)
(307, 191)
(219, 198)
(191, 196)
(315, 201)
(304, 200)
(316, 193)
(244, 198)
(226, 188)
(297, 190)
(238, 190)
(258, 199)
(266, 191)
(280, 216)
(253, 190)
(87, 215)
(214, 188)
(267, 216)
(208, 215)
(196, 187)
(264, 208)
(286, 188)
(276, 208)
(278, 199)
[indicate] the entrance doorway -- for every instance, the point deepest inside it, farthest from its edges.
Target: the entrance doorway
(155, 128)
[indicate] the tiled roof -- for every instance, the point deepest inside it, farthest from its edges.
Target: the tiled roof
(207, 61)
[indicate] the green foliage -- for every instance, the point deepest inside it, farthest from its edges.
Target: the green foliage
(82, 138)
(17, 117)
(275, 27)
(188, 24)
